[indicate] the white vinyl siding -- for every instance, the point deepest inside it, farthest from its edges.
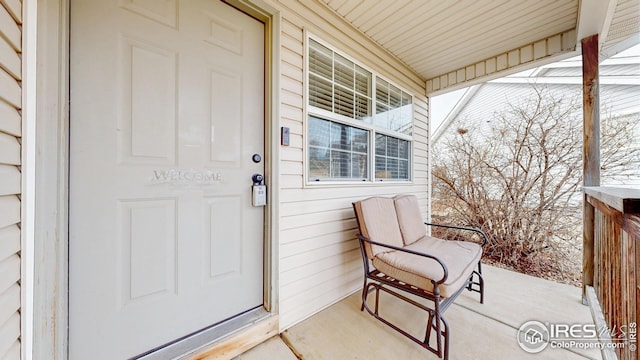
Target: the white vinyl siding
(319, 255)
(10, 177)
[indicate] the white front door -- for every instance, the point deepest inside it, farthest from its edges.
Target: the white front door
(167, 111)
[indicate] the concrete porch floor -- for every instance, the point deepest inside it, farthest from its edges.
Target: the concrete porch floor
(478, 331)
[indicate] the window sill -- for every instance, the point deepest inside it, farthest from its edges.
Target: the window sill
(355, 183)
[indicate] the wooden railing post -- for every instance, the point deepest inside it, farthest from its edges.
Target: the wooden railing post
(587, 247)
(591, 149)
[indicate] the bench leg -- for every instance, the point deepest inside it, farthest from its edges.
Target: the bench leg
(439, 325)
(479, 282)
(365, 290)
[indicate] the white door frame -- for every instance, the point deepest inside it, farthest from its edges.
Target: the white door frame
(51, 138)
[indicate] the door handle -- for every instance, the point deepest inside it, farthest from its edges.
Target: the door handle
(257, 179)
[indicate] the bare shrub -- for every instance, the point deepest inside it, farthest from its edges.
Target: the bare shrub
(519, 181)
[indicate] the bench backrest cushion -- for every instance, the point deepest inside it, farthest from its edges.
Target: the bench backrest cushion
(378, 222)
(409, 218)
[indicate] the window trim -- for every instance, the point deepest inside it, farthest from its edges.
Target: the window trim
(370, 126)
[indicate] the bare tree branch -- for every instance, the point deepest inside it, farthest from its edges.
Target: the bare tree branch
(519, 178)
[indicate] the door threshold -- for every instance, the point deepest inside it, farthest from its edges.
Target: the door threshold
(200, 341)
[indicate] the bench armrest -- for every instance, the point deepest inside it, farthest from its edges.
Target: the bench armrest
(484, 236)
(444, 267)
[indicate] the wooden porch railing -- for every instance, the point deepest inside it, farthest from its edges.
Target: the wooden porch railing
(611, 267)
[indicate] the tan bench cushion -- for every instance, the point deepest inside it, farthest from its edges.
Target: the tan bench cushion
(459, 257)
(378, 222)
(410, 219)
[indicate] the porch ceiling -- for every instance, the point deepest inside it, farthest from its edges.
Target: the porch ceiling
(454, 44)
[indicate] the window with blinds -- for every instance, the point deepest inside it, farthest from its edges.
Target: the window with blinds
(337, 151)
(338, 85)
(392, 158)
(343, 123)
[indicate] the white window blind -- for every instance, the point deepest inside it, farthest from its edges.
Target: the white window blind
(337, 84)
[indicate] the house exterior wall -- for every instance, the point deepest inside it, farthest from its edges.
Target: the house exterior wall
(319, 256)
(10, 177)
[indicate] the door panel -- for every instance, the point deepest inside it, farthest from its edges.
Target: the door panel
(167, 109)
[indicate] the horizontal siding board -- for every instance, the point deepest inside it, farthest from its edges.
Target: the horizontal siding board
(346, 251)
(15, 9)
(9, 29)
(419, 132)
(316, 276)
(9, 150)
(291, 71)
(293, 59)
(292, 114)
(9, 302)
(10, 122)
(292, 85)
(292, 44)
(291, 30)
(314, 243)
(291, 98)
(9, 180)
(303, 297)
(14, 352)
(10, 270)
(310, 231)
(291, 154)
(9, 334)
(421, 163)
(10, 90)
(289, 276)
(9, 241)
(9, 59)
(291, 168)
(295, 140)
(291, 181)
(420, 152)
(289, 209)
(303, 220)
(296, 128)
(9, 210)
(313, 276)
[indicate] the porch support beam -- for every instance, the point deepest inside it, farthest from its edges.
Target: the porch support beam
(591, 149)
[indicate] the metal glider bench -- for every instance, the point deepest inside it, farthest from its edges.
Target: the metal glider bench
(398, 254)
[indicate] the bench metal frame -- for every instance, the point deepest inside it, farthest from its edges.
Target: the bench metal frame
(374, 280)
